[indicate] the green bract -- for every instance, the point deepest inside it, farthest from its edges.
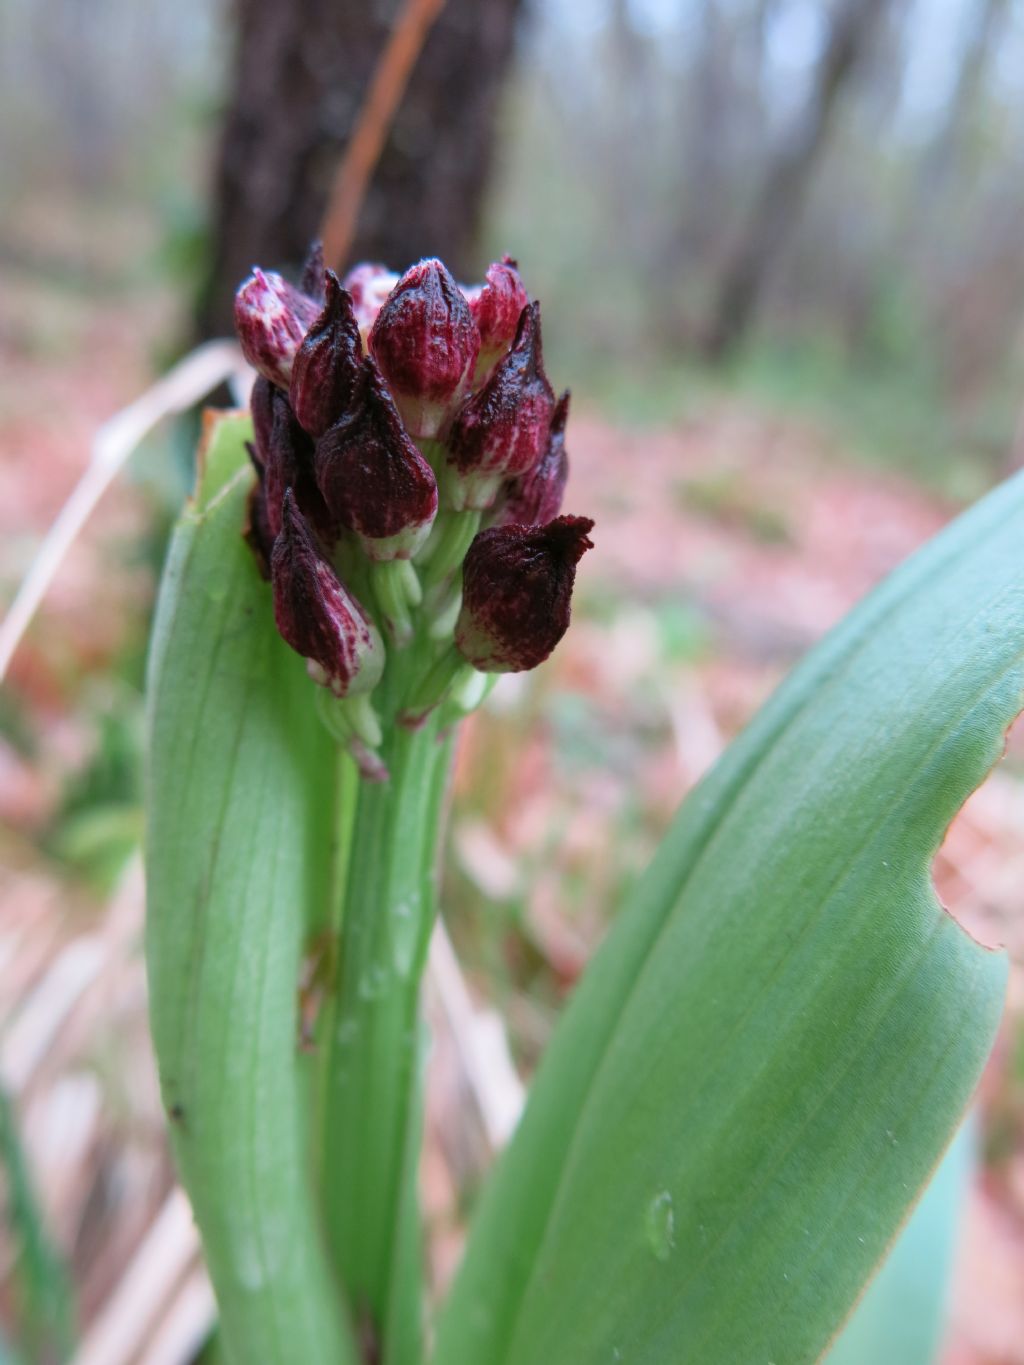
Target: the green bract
(238, 816)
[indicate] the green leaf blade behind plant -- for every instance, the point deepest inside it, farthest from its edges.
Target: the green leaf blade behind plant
(236, 834)
(765, 1061)
(905, 1307)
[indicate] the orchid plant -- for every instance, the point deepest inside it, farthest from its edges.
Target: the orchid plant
(769, 1054)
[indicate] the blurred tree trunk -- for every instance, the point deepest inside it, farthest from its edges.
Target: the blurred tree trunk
(709, 128)
(301, 72)
(775, 208)
(955, 131)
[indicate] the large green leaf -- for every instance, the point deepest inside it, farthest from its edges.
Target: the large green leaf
(902, 1315)
(765, 1061)
(237, 820)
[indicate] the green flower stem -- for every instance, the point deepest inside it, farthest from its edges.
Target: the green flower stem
(446, 549)
(449, 671)
(396, 592)
(373, 1043)
(345, 801)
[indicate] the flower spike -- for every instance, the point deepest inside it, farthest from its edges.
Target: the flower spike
(517, 593)
(317, 616)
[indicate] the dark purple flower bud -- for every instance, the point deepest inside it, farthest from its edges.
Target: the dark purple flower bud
(328, 365)
(256, 531)
(369, 286)
(317, 616)
(516, 593)
(496, 308)
(426, 344)
(261, 405)
(536, 496)
(373, 479)
(289, 464)
(312, 279)
(271, 318)
(503, 430)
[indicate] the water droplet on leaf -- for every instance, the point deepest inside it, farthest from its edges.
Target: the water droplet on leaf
(660, 1225)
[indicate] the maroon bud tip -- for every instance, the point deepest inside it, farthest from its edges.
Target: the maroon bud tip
(536, 496)
(503, 430)
(496, 309)
(517, 593)
(328, 365)
(426, 344)
(316, 615)
(271, 318)
(311, 281)
(372, 477)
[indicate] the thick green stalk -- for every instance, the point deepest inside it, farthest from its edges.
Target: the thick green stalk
(373, 1043)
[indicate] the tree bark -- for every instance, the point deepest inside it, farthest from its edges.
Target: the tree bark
(301, 72)
(775, 208)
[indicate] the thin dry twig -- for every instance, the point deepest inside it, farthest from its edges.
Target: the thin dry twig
(480, 1042)
(169, 1252)
(412, 24)
(191, 379)
(185, 1326)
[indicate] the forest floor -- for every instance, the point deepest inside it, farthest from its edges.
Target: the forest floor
(727, 542)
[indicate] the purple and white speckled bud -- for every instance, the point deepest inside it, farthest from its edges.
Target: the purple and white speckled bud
(426, 344)
(502, 431)
(373, 479)
(496, 307)
(271, 319)
(328, 366)
(536, 496)
(317, 616)
(517, 586)
(369, 284)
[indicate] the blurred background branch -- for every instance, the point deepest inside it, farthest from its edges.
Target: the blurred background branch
(394, 67)
(300, 79)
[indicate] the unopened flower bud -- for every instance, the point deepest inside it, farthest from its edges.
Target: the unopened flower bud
(536, 496)
(517, 593)
(328, 365)
(496, 307)
(369, 285)
(503, 430)
(289, 464)
(261, 405)
(312, 280)
(317, 616)
(373, 479)
(271, 318)
(426, 344)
